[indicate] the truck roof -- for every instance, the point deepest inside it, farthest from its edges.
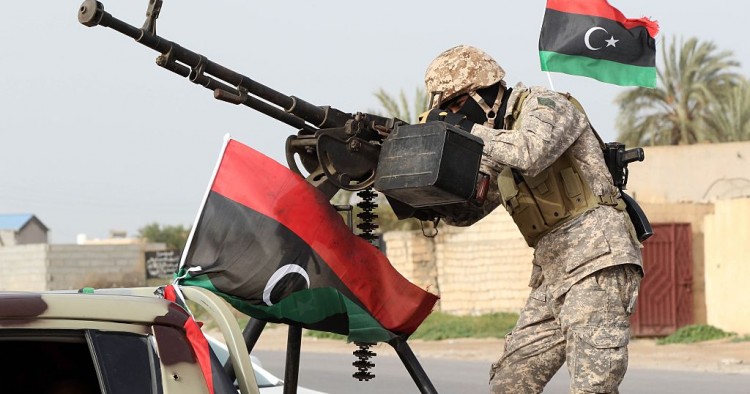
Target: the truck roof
(120, 308)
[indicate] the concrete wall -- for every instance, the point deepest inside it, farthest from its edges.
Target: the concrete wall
(413, 255)
(7, 237)
(42, 267)
(692, 173)
(480, 269)
(693, 214)
(23, 267)
(728, 265)
(76, 266)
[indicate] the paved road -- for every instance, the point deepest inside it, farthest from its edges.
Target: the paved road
(331, 373)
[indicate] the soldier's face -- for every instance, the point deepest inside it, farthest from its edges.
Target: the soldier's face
(456, 104)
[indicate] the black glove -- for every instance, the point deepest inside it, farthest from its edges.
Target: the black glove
(457, 119)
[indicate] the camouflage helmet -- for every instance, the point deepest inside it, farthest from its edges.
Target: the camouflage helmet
(460, 70)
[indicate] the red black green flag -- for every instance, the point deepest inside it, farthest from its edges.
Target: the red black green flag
(593, 39)
(274, 248)
(216, 381)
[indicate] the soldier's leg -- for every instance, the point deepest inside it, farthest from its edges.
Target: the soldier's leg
(594, 319)
(534, 350)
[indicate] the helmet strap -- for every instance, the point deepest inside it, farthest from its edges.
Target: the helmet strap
(489, 112)
(436, 99)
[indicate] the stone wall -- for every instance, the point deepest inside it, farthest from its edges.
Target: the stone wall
(479, 269)
(41, 267)
(76, 266)
(23, 267)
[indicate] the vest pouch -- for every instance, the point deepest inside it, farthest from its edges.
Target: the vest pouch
(521, 206)
(527, 216)
(574, 188)
(546, 190)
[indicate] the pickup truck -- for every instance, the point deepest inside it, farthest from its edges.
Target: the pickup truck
(117, 341)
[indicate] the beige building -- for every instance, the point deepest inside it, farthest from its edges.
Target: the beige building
(485, 268)
(21, 229)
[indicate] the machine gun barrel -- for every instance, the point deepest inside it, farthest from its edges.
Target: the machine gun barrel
(227, 84)
(337, 150)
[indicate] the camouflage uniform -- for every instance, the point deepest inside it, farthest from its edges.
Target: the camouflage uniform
(586, 272)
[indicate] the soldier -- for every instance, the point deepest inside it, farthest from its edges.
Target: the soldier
(547, 164)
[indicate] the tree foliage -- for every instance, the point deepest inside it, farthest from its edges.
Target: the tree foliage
(175, 237)
(400, 107)
(695, 87)
(732, 119)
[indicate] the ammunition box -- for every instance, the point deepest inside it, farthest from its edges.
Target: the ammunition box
(429, 164)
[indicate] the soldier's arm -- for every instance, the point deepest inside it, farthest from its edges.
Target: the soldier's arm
(549, 124)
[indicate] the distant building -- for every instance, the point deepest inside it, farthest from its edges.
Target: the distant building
(21, 229)
(116, 237)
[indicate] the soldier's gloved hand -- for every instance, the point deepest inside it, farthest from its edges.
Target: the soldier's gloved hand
(456, 119)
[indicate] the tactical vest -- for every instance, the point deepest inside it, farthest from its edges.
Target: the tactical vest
(558, 194)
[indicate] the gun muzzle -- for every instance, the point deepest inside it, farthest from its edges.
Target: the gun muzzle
(90, 13)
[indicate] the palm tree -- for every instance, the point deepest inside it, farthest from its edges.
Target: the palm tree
(692, 84)
(399, 108)
(732, 120)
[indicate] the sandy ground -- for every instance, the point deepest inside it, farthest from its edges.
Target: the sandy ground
(714, 356)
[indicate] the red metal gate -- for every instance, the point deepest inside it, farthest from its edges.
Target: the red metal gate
(666, 296)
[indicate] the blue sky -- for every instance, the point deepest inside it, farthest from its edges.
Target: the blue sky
(95, 137)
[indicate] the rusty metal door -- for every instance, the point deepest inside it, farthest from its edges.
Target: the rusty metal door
(666, 296)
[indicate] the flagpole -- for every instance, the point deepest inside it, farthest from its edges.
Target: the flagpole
(203, 203)
(549, 77)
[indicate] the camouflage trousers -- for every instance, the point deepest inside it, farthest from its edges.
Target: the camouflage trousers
(588, 327)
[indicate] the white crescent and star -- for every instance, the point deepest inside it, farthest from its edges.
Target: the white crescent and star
(278, 275)
(587, 39)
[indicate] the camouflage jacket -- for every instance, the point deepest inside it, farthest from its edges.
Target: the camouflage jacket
(549, 126)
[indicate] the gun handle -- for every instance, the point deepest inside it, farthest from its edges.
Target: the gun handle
(642, 226)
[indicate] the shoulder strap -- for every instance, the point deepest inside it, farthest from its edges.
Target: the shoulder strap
(578, 105)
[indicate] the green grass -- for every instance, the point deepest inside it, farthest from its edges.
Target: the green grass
(744, 338)
(694, 333)
(439, 326)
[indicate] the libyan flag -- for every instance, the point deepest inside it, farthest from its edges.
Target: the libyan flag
(593, 39)
(273, 247)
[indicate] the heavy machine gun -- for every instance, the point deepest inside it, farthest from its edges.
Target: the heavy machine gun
(343, 155)
(337, 150)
